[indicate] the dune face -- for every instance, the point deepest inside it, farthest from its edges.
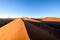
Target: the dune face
(36, 33)
(14, 30)
(30, 29)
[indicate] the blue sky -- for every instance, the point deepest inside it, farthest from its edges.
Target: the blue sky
(29, 8)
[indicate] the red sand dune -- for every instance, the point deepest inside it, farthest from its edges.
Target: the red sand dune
(30, 29)
(51, 19)
(14, 30)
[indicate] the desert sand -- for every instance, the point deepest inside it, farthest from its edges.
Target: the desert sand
(30, 29)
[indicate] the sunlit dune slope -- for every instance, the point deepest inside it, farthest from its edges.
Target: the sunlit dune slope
(15, 30)
(51, 19)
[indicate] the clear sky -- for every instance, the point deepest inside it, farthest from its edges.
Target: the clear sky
(29, 8)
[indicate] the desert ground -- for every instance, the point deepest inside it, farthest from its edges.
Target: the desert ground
(47, 28)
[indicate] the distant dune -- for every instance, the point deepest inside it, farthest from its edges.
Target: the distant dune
(30, 28)
(51, 19)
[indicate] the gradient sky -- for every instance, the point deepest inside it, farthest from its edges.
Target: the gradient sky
(29, 8)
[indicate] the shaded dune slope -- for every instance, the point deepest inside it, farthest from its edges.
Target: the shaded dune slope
(36, 33)
(5, 21)
(46, 28)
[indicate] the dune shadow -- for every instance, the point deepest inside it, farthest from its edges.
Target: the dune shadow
(5, 21)
(52, 24)
(55, 25)
(48, 27)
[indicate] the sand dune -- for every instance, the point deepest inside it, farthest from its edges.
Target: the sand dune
(14, 30)
(51, 19)
(31, 19)
(30, 29)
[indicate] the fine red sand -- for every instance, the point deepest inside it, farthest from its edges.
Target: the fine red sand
(30, 29)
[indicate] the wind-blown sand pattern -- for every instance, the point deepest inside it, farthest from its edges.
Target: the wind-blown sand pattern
(30, 29)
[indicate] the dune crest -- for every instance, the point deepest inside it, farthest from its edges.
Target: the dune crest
(31, 19)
